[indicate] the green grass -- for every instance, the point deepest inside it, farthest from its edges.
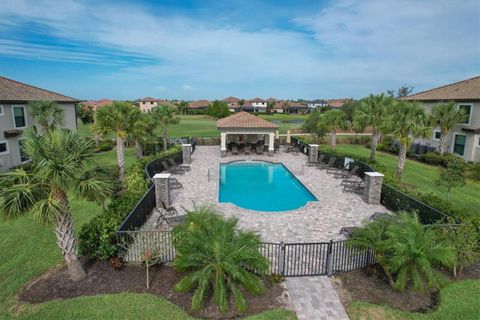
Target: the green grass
(459, 300)
(28, 249)
(422, 176)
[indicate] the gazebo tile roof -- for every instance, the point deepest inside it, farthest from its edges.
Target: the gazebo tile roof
(245, 120)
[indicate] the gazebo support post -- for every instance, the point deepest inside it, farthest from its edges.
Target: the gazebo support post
(223, 144)
(271, 142)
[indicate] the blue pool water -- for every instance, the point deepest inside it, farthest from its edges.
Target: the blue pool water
(262, 186)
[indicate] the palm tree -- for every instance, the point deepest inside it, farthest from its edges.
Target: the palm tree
(446, 116)
(333, 120)
(215, 254)
(414, 253)
(407, 120)
(142, 127)
(47, 113)
(164, 116)
(372, 112)
(61, 164)
(241, 103)
(116, 118)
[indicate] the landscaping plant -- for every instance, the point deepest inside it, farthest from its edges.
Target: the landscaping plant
(452, 177)
(334, 120)
(164, 116)
(47, 113)
(61, 165)
(217, 256)
(446, 116)
(218, 109)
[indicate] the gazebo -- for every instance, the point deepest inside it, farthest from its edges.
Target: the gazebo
(244, 128)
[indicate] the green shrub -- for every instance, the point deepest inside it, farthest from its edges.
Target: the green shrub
(435, 158)
(105, 146)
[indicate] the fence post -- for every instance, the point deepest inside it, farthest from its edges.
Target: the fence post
(281, 263)
(329, 259)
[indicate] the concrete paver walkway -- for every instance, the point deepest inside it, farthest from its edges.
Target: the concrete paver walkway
(315, 298)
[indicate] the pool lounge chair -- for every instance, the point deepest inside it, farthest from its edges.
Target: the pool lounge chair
(347, 231)
(183, 167)
(234, 149)
(247, 149)
(346, 174)
(170, 220)
(358, 187)
(172, 170)
(323, 165)
(259, 149)
(295, 151)
(174, 183)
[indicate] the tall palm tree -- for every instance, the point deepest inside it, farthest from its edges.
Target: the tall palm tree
(407, 120)
(61, 164)
(241, 103)
(116, 118)
(216, 255)
(334, 120)
(142, 127)
(164, 116)
(372, 112)
(414, 253)
(47, 113)
(446, 116)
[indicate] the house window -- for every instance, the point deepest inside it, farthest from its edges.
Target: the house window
(23, 154)
(459, 144)
(3, 147)
(1, 110)
(437, 134)
(467, 109)
(19, 116)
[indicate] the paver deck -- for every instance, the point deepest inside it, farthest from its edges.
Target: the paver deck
(315, 298)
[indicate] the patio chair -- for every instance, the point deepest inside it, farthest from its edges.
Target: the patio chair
(295, 151)
(383, 215)
(358, 187)
(183, 167)
(234, 149)
(259, 150)
(172, 170)
(247, 149)
(170, 220)
(323, 165)
(174, 183)
(346, 174)
(347, 231)
(334, 169)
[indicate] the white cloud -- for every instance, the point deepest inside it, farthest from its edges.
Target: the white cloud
(351, 48)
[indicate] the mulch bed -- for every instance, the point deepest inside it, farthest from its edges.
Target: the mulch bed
(103, 279)
(370, 285)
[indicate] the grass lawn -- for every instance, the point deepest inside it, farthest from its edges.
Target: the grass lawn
(204, 126)
(459, 300)
(28, 249)
(422, 176)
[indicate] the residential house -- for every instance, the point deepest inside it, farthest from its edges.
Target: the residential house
(464, 138)
(296, 107)
(15, 117)
(233, 104)
(148, 104)
(95, 104)
(258, 105)
(317, 103)
(198, 105)
(337, 103)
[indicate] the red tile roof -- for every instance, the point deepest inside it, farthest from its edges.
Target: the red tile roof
(337, 103)
(231, 99)
(245, 120)
(198, 104)
(14, 91)
(98, 103)
(465, 90)
(256, 100)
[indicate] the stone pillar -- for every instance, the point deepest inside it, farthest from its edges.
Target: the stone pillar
(313, 155)
(271, 144)
(223, 144)
(373, 189)
(162, 189)
(187, 153)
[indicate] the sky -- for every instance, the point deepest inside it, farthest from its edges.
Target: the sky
(214, 49)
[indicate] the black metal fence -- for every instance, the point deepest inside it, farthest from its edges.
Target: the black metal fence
(391, 197)
(286, 259)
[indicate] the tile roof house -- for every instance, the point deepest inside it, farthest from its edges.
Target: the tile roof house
(95, 104)
(464, 139)
(337, 103)
(149, 103)
(233, 103)
(199, 104)
(15, 117)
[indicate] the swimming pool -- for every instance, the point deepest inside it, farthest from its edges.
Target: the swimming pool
(262, 186)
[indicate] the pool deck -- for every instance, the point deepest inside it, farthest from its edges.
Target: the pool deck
(316, 221)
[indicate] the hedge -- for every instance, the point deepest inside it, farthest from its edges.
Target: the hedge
(97, 237)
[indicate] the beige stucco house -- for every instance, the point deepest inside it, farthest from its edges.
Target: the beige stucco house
(14, 117)
(463, 139)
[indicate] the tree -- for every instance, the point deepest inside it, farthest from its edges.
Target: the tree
(142, 126)
(406, 120)
(403, 91)
(312, 125)
(47, 113)
(116, 118)
(372, 112)
(218, 109)
(414, 251)
(61, 165)
(333, 120)
(216, 255)
(446, 116)
(241, 103)
(85, 113)
(182, 107)
(452, 177)
(349, 109)
(270, 106)
(164, 116)
(473, 171)
(285, 106)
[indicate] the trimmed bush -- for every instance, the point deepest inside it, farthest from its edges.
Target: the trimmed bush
(437, 159)
(106, 145)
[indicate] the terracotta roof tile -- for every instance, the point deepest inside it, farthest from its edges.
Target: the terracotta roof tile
(14, 91)
(198, 104)
(244, 120)
(231, 99)
(465, 90)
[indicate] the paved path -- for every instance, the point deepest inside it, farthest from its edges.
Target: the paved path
(315, 298)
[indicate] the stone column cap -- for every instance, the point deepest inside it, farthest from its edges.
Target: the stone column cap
(374, 174)
(186, 144)
(162, 176)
